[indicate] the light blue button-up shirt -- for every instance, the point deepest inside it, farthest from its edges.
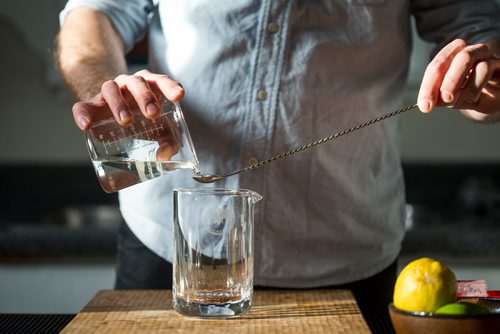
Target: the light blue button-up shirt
(263, 77)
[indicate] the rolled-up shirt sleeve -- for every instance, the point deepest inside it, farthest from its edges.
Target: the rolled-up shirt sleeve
(130, 18)
(441, 21)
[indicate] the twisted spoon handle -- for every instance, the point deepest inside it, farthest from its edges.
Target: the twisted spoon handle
(321, 141)
(214, 178)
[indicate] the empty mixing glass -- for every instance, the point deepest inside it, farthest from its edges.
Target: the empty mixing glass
(126, 155)
(213, 251)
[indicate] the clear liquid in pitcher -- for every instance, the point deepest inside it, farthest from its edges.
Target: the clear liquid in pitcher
(216, 285)
(118, 174)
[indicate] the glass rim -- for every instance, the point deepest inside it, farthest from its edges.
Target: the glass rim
(215, 191)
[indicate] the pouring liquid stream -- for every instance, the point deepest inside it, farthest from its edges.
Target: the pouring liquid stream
(207, 178)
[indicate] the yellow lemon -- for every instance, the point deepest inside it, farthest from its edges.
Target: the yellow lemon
(424, 285)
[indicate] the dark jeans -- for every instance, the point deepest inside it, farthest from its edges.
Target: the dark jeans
(139, 268)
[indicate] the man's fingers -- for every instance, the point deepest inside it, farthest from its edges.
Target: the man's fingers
(474, 90)
(82, 115)
(435, 73)
(463, 69)
(87, 113)
(112, 94)
(123, 95)
(142, 94)
(479, 77)
(171, 89)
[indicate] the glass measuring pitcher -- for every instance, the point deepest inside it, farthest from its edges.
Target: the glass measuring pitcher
(126, 155)
(213, 251)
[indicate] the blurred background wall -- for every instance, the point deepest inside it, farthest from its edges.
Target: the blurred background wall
(36, 119)
(43, 157)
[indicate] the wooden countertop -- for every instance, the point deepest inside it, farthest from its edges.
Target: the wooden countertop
(273, 311)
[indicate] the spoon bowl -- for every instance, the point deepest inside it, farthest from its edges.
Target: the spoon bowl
(208, 178)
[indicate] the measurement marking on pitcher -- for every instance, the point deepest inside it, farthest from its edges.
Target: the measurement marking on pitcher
(158, 129)
(147, 132)
(101, 137)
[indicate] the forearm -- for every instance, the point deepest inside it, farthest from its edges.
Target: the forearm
(88, 52)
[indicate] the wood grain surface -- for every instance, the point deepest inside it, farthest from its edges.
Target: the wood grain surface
(273, 311)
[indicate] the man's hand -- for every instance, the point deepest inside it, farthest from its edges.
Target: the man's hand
(90, 56)
(465, 77)
(127, 94)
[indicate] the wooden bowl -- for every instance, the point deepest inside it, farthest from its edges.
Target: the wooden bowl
(405, 322)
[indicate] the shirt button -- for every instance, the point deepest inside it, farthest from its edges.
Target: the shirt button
(272, 27)
(262, 95)
(252, 161)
